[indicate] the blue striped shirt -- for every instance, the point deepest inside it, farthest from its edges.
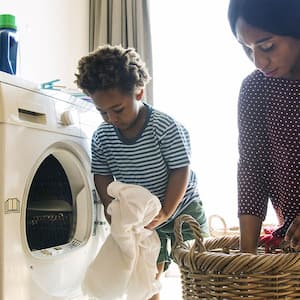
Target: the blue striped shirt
(146, 160)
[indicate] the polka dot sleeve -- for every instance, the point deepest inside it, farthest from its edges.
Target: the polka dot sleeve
(252, 193)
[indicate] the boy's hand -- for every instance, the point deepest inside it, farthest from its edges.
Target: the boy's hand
(159, 219)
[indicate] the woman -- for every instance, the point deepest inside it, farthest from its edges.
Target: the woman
(269, 120)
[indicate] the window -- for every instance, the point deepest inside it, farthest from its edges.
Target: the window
(198, 68)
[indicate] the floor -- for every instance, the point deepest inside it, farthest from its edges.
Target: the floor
(171, 284)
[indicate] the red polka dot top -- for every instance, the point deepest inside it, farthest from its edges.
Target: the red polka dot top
(269, 148)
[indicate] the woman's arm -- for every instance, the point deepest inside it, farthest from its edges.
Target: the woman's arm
(250, 227)
(101, 183)
(253, 155)
(177, 184)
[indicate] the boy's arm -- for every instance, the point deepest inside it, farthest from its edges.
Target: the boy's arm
(101, 183)
(177, 184)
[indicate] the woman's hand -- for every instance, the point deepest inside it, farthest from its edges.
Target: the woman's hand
(159, 219)
(293, 234)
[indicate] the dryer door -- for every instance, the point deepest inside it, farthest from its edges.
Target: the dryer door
(60, 229)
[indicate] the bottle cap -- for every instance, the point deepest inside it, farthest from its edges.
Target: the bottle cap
(8, 21)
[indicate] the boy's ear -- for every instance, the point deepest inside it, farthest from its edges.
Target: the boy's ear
(139, 94)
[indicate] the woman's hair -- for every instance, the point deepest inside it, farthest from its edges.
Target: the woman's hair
(280, 17)
(112, 67)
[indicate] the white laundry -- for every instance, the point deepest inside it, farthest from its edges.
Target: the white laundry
(125, 266)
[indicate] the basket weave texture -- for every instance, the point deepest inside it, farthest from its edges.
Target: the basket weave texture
(215, 269)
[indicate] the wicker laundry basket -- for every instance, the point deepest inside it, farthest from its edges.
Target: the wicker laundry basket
(221, 230)
(215, 269)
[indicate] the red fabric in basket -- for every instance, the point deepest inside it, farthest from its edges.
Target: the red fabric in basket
(269, 241)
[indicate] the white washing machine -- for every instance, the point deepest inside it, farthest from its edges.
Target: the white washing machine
(51, 223)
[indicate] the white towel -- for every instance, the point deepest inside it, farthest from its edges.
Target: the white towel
(125, 267)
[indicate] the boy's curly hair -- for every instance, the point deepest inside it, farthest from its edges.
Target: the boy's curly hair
(111, 67)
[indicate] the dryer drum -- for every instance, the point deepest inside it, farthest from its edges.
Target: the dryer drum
(50, 214)
(48, 230)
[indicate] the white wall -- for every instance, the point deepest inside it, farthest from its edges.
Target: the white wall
(198, 69)
(53, 35)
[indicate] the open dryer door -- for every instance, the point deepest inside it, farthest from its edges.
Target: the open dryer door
(62, 220)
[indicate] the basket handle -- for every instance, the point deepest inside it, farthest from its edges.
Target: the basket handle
(195, 227)
(211, 229)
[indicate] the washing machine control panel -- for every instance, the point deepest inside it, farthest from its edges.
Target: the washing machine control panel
(66, 115)
(68, 118)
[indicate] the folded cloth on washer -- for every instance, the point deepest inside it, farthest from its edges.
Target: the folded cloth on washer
(125, 267)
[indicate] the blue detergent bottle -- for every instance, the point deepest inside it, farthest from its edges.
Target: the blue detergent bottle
(8, 44)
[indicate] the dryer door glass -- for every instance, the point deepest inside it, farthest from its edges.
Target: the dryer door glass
(49, 214)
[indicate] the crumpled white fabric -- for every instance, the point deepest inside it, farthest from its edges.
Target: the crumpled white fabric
(125, 266)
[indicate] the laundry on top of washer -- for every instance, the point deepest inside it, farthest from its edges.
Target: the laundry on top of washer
(75, 96)
(125, 267)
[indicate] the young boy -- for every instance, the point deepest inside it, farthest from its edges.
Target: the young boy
(138, 144)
